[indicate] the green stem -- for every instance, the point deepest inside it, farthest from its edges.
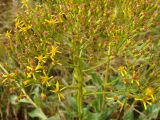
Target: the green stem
(69, 87)
(105, 81)
(96, 93)
(80, 91)
(107, 66)
(78, 76)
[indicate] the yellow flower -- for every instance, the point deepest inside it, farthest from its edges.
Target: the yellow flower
(55, 62)
(145, 101)
(26, 82)
(58, 91)
(24, 3)
(51, 21)
(150, 93)
(22, 26)
(45, 80)
(53, 51)
(135, 78)
(40, 58)
(33, 70)
(122, 70)
(19, 24)
(148, 99)
(8, 34)
(25, 28)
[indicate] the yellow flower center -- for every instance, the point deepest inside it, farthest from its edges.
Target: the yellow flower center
(149, 91)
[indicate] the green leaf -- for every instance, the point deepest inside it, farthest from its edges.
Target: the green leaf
(129, 115)
(72, 102)
(87, 115)
(37, 113)
(54, 118)
(152, 111)
(96, 79)
(105, 115)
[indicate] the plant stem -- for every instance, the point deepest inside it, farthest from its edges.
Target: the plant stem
(107, 66)
(78, 77)
(96, 93)
(105, 81)
(80, 91)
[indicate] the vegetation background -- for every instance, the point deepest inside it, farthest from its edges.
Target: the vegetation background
(80, 60)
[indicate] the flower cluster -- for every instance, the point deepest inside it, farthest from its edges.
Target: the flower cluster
(148, 99)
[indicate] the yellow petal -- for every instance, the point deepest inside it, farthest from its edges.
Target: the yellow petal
(122, 74)
(145, 106)
(57, 85)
